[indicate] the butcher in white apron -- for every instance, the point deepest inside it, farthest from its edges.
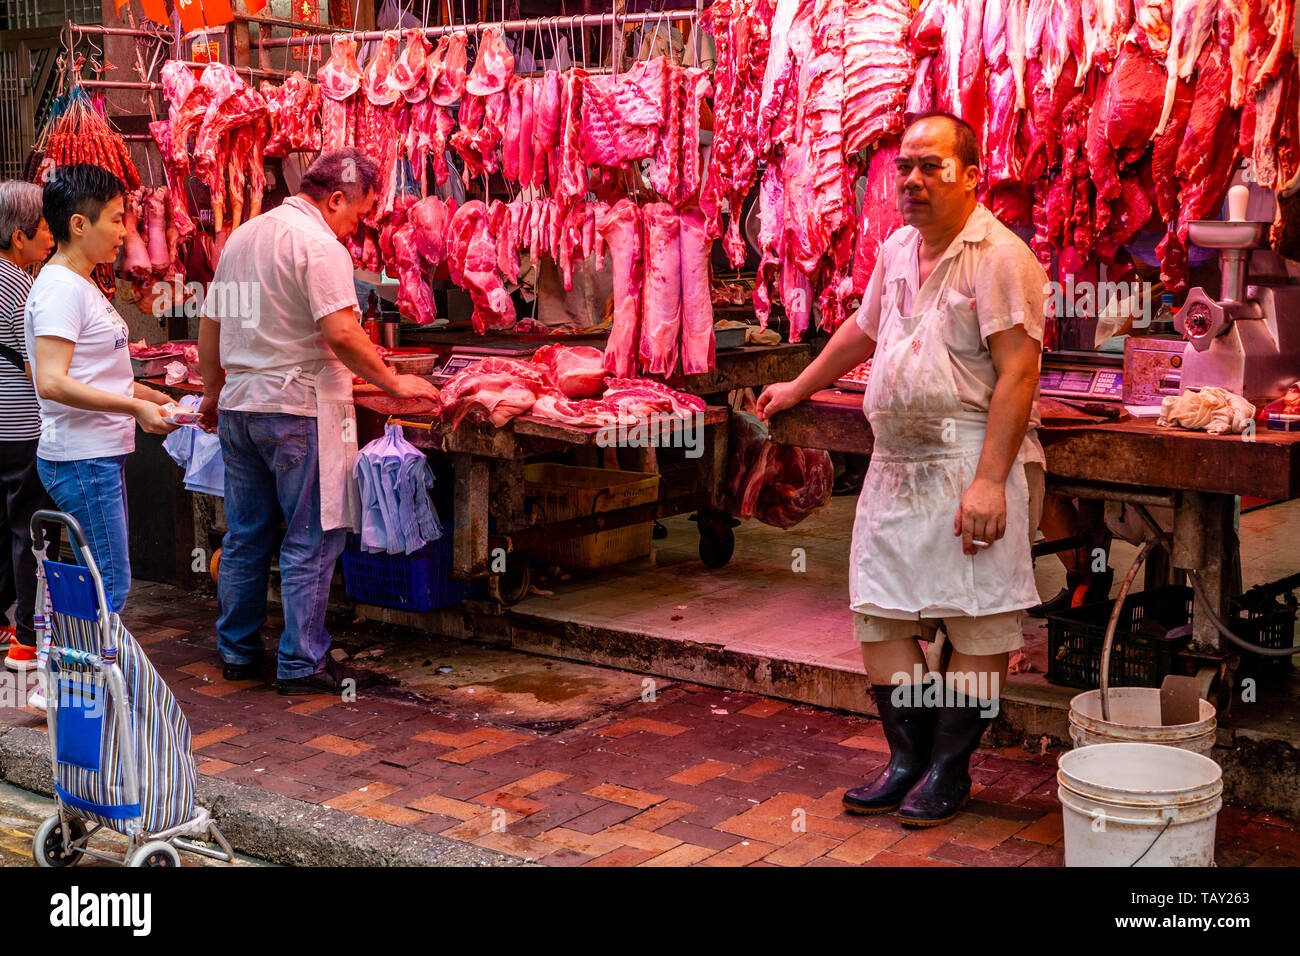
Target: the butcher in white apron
(279, 343)
(953, 321)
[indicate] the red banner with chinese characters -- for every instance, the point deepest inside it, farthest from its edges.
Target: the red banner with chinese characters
(342, 13)
(304, 11)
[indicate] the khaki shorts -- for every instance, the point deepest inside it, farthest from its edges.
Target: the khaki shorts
(1036, 478)
(988, 634)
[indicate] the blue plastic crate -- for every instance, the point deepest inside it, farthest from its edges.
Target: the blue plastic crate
(405, 582)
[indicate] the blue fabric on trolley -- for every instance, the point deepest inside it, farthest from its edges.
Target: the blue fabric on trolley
(72, 590)
(394, 479)
(159, 734)
(80, 721)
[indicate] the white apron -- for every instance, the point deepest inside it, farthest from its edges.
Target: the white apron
(905, 561)
(336, 441)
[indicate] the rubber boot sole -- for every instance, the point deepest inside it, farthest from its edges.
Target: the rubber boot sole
(926, 824)
(873, 812)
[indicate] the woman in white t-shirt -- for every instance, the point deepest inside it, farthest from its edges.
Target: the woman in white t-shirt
(90, 402)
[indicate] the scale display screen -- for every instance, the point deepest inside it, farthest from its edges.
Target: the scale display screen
(1104, 384)
(458, 363)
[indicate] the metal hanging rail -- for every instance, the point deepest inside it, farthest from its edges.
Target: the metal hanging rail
(577, 21)
(98, 30)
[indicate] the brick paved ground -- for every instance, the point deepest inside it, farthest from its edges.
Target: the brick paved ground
(699, 776)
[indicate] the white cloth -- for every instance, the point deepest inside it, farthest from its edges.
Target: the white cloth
(64, 305)
(998, 284)
(905, 561)
(1214, 409)
(279, 274)
(336, 443)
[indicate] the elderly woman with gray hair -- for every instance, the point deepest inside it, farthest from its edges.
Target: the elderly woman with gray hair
(25, 241)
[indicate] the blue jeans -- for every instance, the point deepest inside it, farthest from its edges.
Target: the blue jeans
(272, 471)
(93, 490)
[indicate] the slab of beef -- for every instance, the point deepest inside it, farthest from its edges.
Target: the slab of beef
(495, 389)
(621, 114)
(494, 64)
(575, 370)
(878, 70)
(293, 112)
(778, 484)
(410, 73)
(697, 293)
(1190, 24)
(1105, 22)
(584, 412)
(376, 76)
(741, 31)
(879, 215)
(661, 318)
(339, 80)
(414, 296)
(620, 228)
(445, 69)
(472, 257)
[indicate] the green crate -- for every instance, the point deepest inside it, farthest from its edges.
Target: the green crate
(1075, 639)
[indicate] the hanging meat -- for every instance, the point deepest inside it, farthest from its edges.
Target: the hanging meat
(339, 80)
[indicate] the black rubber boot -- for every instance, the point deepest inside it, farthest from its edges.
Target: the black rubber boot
(940, 793)
(909, 729)
(1081, 587)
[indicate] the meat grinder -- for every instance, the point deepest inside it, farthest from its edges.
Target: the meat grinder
(1248, 340)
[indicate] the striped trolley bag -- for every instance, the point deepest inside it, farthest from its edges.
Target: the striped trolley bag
(118, 740)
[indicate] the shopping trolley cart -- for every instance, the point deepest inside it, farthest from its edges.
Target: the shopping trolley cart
(119, 744)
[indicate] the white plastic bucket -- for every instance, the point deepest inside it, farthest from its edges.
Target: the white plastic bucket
(1135, 718)
(1129, 804)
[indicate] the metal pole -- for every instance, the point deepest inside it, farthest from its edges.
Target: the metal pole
(97, 30)
(508, 26)
(117, 85)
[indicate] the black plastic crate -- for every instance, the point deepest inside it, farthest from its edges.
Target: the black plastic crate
(1075, 639)
(416, 582)
(1271, 627)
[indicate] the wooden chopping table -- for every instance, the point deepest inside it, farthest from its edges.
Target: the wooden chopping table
(1196, 474)
(491, 511)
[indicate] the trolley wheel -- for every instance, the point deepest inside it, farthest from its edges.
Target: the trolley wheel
(716, 545)
(214, 565)
(510, 586)
(47, 845)
(157, 853)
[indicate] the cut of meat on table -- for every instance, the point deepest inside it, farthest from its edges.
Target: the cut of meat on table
(472, 257)
(577, 370)
(445, 69)
(878, 71)
(697, 294)
(1190, 24)
(879, 215)
(661, 318)
(620, 229)
(494, 65)
(339, 79)
(554, 405)
(640, 398)
(495, 389)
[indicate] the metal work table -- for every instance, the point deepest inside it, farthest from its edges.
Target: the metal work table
(1135, 460)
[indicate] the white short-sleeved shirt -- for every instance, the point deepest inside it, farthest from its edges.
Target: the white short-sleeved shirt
(999, 284)
(65, 305)
(279, 274)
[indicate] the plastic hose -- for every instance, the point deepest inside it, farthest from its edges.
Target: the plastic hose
(1109, 643)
